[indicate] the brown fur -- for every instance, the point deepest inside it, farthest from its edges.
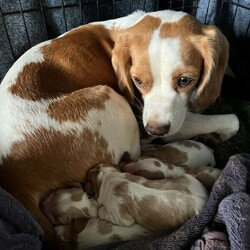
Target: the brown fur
(168, 154)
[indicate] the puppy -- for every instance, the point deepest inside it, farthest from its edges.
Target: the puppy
(74, 215)
(154, 204)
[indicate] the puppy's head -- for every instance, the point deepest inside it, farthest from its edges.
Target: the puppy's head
(59, 207)
(172, 59)
(95, 177)
(147, 167)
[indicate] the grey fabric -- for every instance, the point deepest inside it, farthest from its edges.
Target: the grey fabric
(18, 229)
(233, 19)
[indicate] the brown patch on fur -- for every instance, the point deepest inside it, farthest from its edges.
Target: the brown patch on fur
(68, 65)
(92, 185)
(76, 105)
(86, 212)
(168, 154)
(77, 195)
(133, 178)
(125, 157)
(185, 27)
(170, 166)
(157, 163)
(79, 225)
(206, 175)
(179, 184)
(115, 238)
(156, 175)
(105, 227)
(167, 220)
(189, 144)
(121, 188)
(130, 56)
(210, 140)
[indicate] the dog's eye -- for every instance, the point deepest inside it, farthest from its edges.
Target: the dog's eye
(138, 82)
(184, 81)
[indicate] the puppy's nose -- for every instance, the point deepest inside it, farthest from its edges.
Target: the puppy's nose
(154, 128)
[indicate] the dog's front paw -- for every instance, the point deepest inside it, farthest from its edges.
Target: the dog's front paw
(231, 127)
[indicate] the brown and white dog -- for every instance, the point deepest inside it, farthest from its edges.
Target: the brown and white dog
(57, 122)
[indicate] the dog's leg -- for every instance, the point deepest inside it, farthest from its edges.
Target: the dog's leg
(194, 125)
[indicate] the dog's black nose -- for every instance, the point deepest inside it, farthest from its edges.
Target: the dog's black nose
(154, 128)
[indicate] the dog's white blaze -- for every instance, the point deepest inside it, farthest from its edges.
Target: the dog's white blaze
(163, 104)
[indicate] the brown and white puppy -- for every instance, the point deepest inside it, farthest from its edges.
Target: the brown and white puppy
(65, 205)
(181, 153)
(154, 169)
(74, 215)
(57, 123)
(153, 204)
(194, 157)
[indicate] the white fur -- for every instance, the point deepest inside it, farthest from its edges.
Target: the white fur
(169, 16)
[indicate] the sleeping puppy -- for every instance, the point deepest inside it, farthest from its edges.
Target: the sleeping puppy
(196, 159)
(153, 169)
(74, 215)
(154, 204)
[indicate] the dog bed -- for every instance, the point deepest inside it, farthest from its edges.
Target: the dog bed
(226, 219)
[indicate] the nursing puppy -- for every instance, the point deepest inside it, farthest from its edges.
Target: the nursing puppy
(75, 217)
(153, 204)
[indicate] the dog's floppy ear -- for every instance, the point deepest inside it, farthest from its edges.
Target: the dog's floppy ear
(121, 61)
(214, 49)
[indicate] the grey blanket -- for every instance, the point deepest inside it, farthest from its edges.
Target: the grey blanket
(18, 229)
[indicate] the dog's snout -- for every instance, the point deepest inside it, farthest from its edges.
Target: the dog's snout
(154, 128)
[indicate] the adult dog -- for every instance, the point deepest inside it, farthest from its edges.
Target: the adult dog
(57, 122)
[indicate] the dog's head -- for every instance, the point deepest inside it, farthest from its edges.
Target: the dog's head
(171, 58)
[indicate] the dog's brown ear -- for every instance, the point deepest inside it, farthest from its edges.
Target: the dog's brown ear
(214, 49)
(121, 61)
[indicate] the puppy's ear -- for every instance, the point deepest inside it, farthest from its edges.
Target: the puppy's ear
(214, 49)
(121, 61)
(92, 184)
